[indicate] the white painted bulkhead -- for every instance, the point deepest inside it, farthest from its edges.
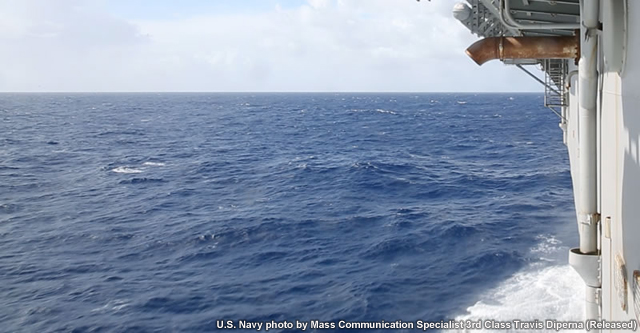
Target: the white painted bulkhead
(605, 172)
(618, 166)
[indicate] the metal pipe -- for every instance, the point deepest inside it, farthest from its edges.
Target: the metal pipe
(559, 2)
(489, 5)
(552, 47)
(592, 307)
(588, 87)
(588, 216)
(508, 20)
(540, 12)
(591, 13)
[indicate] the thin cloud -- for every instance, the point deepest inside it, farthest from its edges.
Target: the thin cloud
(323, 45)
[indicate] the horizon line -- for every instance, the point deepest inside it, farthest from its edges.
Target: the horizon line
(271, 92)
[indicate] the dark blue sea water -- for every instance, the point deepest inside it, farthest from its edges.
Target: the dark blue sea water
(167, 212)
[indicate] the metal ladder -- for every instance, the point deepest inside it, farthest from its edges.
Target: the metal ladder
(555, 96)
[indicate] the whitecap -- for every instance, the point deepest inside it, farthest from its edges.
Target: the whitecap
(153, 164)
(126, 170)
(385, 111)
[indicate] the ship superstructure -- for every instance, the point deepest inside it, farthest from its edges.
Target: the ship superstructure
(590, 54)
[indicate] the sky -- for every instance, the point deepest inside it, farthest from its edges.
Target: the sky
(242, 45)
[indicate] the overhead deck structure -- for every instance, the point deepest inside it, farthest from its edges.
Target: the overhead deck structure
(528, 18)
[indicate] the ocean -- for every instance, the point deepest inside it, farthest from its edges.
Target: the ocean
(173, 212)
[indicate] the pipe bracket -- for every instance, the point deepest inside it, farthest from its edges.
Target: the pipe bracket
(589, 219)
(587, 266)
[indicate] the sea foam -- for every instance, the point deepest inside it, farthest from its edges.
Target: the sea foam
(544, 290)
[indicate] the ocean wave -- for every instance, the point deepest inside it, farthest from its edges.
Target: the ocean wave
(134, 132)
(126, 170)
(142, 180)
(258, 205)
(385, 111)
(113, 306)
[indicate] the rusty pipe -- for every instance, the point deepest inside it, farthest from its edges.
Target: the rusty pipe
(553, 47)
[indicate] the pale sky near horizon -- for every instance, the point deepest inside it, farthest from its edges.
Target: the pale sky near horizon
(242, 45)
